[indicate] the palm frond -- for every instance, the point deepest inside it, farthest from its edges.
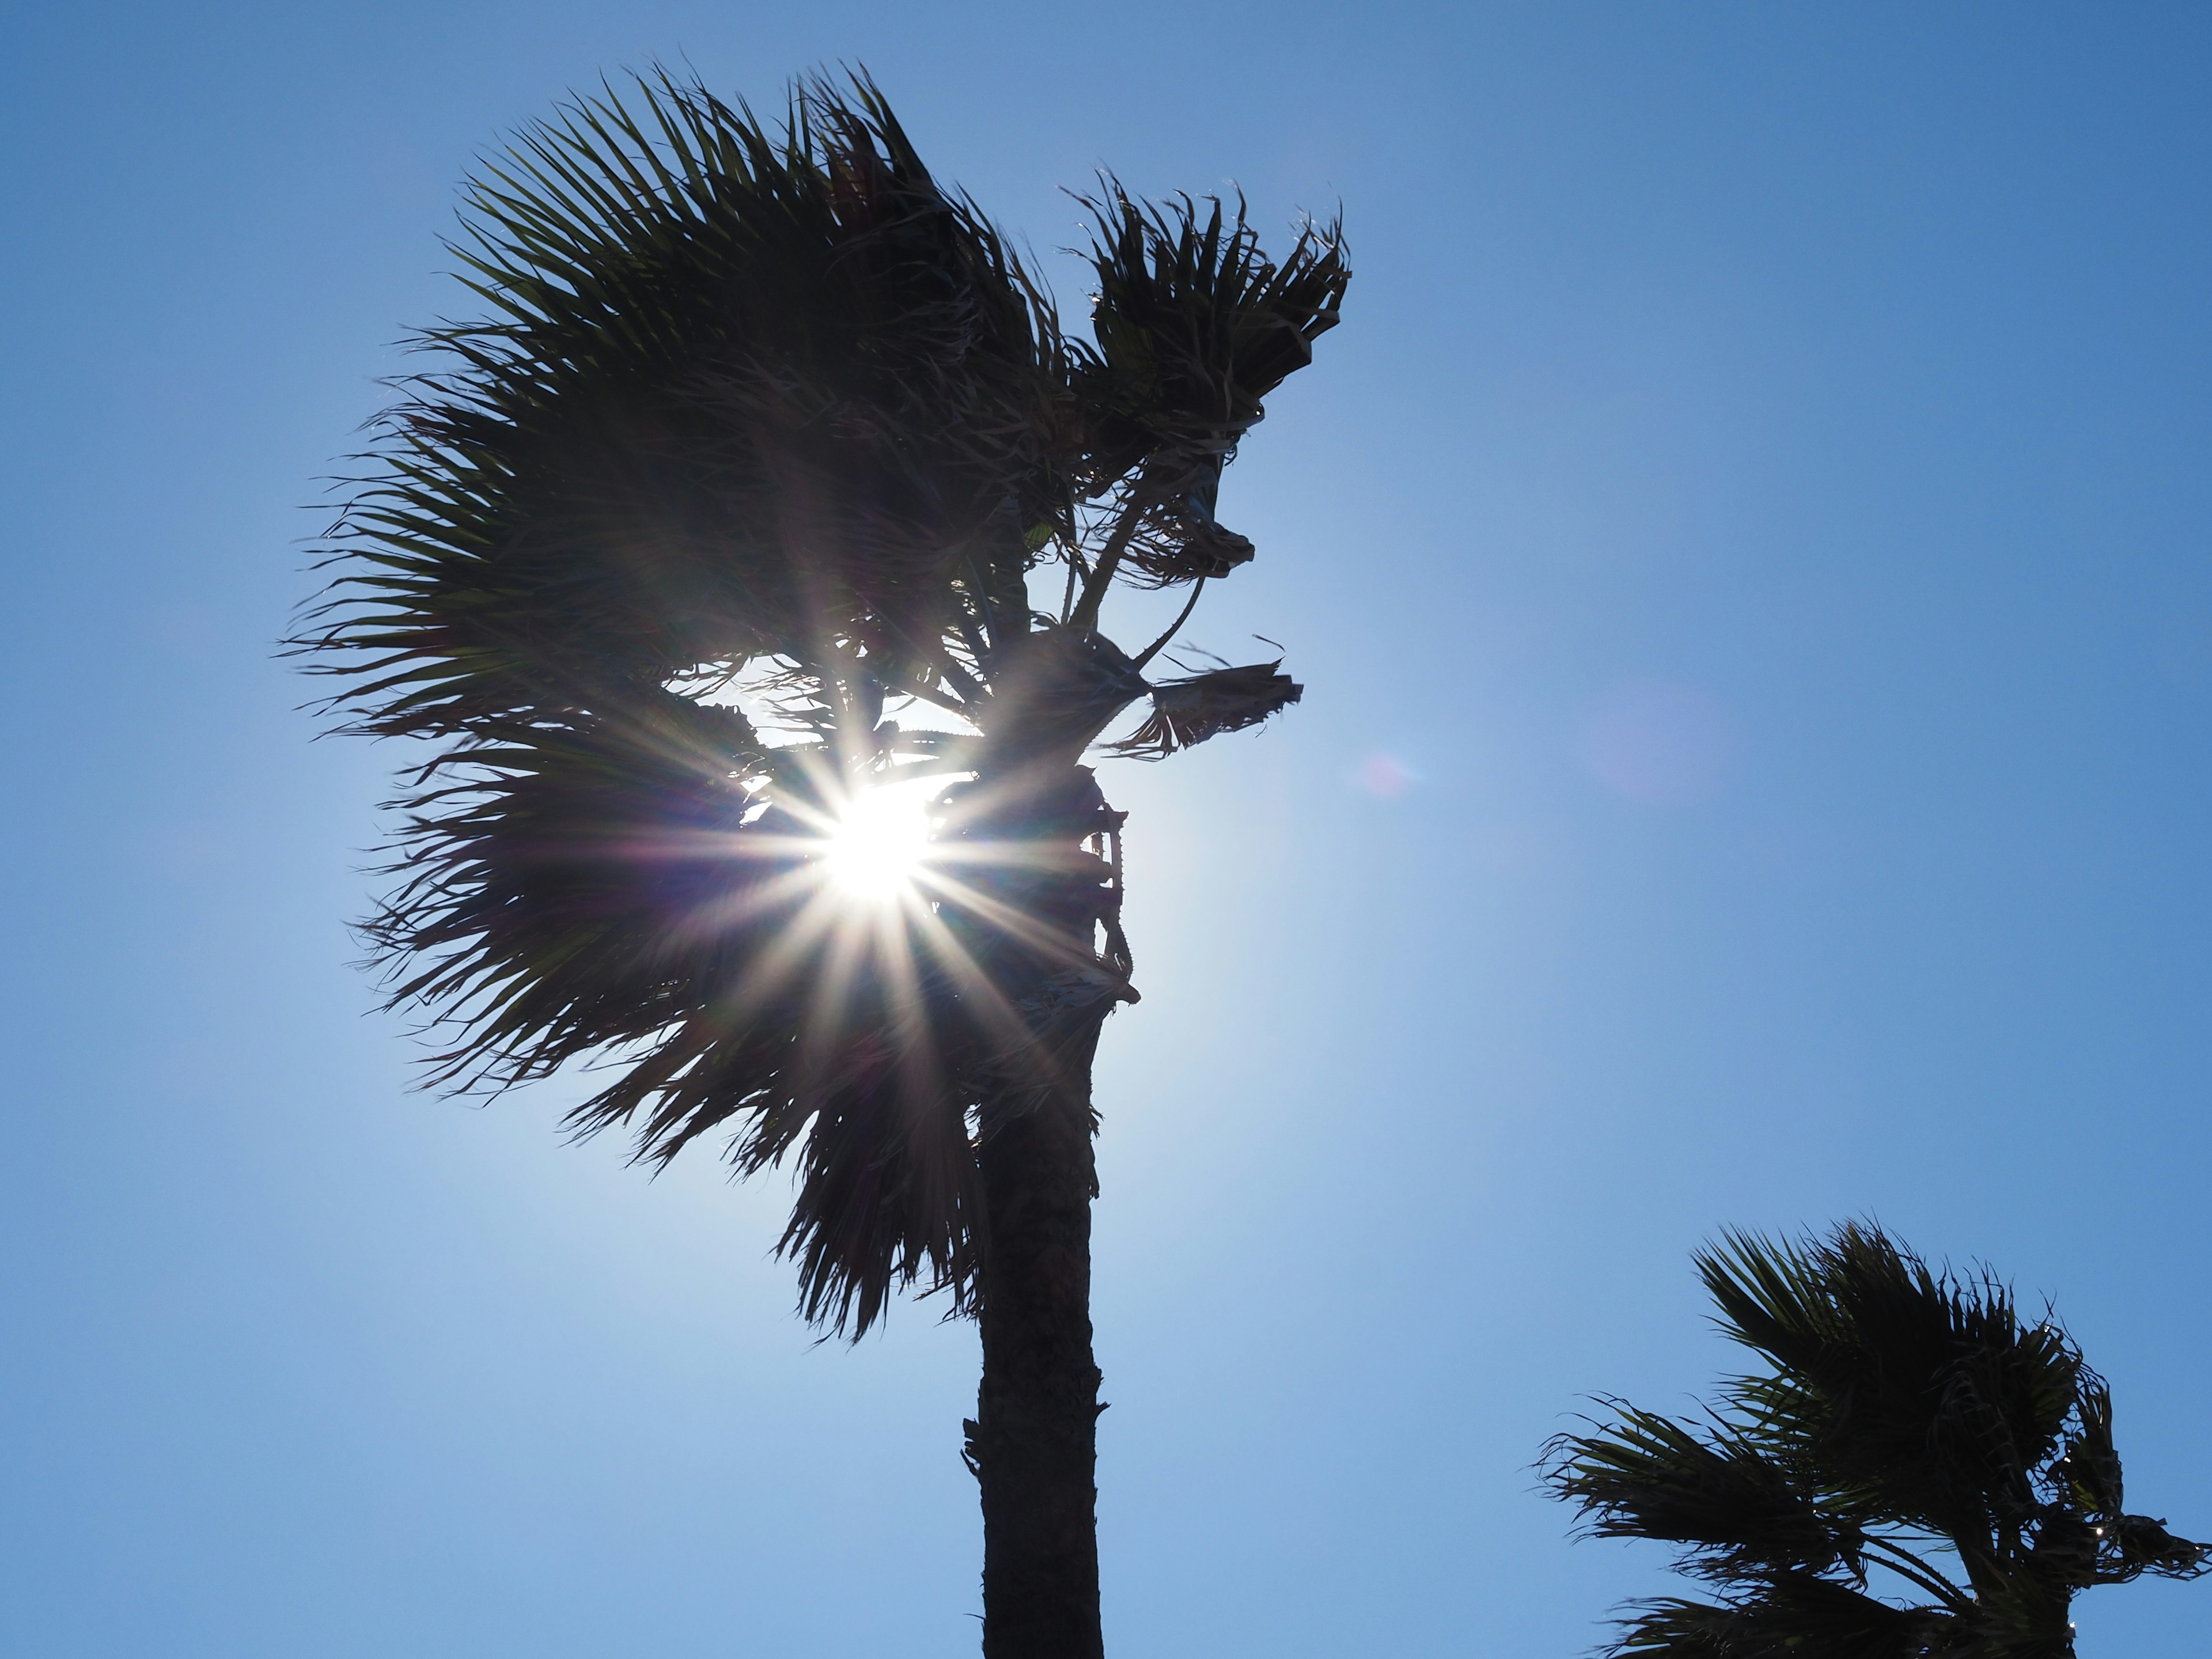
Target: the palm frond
(1929, 1394)
(1193, 325)
(742, 394)
(1053, 692)
(1739, 1511)
(1186, 712)
(1796, 1618)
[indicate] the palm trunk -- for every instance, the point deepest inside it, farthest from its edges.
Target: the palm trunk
(1033, 1443)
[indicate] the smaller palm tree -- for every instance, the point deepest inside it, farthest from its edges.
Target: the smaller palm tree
(1920, 1475)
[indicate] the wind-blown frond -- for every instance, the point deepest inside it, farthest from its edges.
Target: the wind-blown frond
(741, 394)
(1193, 327)
(1797, 1617)
(1738, 1512)
(1927, 1396)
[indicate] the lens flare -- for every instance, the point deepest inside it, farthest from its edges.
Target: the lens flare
(878, 842)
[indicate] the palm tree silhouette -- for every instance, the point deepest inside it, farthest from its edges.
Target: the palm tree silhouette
(1913, 1437)
(714, 535)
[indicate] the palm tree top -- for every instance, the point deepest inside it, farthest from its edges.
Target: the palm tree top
(1918, 1470)
(746, 395)
(722, 510)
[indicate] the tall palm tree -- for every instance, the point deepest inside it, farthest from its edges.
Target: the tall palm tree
(715, 533)
(1920, 1472)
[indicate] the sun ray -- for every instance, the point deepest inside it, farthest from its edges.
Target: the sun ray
(993, 1011)
(1068, 950)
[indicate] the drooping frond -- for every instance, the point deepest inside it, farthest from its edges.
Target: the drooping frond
(610, 888)
(1187, 711)
(1735, 1510)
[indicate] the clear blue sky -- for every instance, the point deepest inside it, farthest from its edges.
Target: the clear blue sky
(1746, 549)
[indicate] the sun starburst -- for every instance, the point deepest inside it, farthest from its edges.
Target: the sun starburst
(878, 844)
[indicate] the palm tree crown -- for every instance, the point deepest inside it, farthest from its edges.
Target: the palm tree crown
(725, 513)
(1909, 1425)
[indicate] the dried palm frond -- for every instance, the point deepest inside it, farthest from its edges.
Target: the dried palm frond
(1186, 712)
(1177, 539)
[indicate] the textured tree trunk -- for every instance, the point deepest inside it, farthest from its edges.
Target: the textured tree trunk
(1033, 1441)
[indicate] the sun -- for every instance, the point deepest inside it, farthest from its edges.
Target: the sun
(878, 844)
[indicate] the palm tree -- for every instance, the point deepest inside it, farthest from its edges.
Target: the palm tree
(716, 533)
(1910, 1425)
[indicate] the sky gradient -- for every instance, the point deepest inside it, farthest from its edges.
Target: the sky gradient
(1745, 551)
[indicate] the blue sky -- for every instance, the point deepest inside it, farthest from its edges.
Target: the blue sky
(1745, 551)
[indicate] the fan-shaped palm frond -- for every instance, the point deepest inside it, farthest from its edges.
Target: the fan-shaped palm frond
(741, 395)
(1910, 1421)
(1798, 1616)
